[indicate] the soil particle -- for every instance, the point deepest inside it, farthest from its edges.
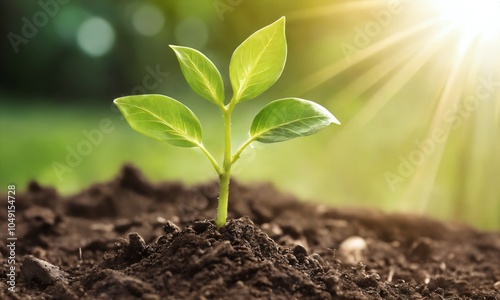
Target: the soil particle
(421, 249)
(353, 249)
(39, 272)
(132, 239)
(116, 285)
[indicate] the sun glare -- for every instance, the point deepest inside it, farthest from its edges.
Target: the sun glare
(474, 17)
(445, 51)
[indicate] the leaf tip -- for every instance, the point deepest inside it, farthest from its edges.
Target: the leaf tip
(331, 117)
(334, 120)
(281, 22)
(174, 47)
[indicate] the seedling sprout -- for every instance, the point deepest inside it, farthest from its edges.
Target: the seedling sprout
(255, 66)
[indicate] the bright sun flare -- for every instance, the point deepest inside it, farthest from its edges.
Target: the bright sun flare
(474, 17)
(455, 43)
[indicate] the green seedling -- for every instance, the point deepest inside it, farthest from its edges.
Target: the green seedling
(255, 66)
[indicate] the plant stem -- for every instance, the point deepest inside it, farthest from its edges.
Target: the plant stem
(223, 200)
(211, 159)
(237, 154)
(225, 176)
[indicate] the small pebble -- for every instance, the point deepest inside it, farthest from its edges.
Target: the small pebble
(272, 228)
(352, 249)
(337, 223)
(496, 285)
(442, 266)
(321, 209)
(396, 244)
(102, 227)
(40, 271)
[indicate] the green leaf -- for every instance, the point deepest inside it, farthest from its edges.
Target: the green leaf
(258, 62)
(285, 119)
(201, 74)
(161, 118)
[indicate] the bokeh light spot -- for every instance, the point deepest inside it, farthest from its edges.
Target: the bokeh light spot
(192, 32)
(96, 36)
(68, 21)
(148, 20)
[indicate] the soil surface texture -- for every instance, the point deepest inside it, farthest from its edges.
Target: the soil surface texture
(131, 239)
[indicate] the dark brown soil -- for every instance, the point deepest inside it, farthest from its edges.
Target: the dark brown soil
(130, 239)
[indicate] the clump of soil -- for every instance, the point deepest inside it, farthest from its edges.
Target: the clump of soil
(130, 239)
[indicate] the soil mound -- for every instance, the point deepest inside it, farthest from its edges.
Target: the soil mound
(131, 239)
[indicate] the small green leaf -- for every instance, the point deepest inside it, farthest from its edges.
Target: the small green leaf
(161, 118)
(285, 119)
(201, 74)
(258, 62)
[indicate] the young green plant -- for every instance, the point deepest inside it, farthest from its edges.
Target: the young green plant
(255, 66)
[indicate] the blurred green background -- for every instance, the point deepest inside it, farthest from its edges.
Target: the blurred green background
(415, 85)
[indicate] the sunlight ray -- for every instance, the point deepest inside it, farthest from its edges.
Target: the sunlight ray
(394, 85)
(497, 113)
(451, 91)
(478, 163)
(456, 43)
(422, 181)
(330, 71)
(377, 73)
(496, 99)
(331, 9)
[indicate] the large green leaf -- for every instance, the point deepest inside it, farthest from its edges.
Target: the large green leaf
(258, 62)
(161, 118)
(201, 74)
(289, 118)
